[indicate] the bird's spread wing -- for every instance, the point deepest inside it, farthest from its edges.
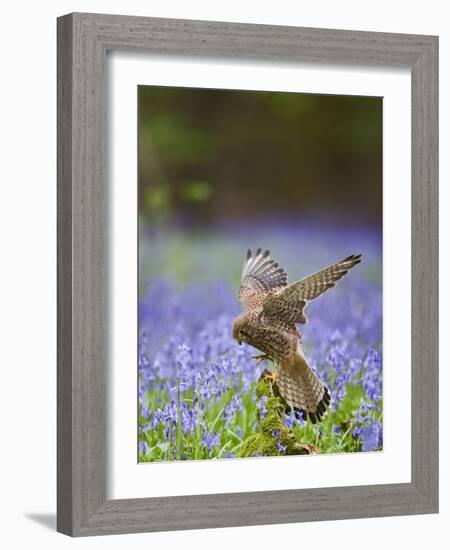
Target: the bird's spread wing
(288, 304)
(261, 276)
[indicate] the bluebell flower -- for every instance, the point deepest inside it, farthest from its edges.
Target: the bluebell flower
(147, 427)
(210, 440)
(371, 435)
(261, 406)
(299, 418)
(145, 411)
(290, 421)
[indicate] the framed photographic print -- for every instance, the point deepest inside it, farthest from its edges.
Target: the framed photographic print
(247, 274)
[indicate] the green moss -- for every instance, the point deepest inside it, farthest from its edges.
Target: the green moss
(274, 438)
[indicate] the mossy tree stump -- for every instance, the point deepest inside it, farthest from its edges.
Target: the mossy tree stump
(274, 437)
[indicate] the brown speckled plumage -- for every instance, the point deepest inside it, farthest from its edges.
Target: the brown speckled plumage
(272, 309)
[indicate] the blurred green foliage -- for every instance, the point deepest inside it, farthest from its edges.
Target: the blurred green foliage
(211, 155)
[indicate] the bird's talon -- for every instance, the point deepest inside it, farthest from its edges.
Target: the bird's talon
(259, 358)
(270, 376)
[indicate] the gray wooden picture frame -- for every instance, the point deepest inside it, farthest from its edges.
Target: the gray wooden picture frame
(83, 41)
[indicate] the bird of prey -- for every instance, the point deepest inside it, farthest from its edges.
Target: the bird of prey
(272, 309)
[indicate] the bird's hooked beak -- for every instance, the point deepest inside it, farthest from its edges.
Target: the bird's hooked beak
(242, 337)
(237, 335)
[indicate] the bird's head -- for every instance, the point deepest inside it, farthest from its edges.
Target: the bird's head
(241, 329)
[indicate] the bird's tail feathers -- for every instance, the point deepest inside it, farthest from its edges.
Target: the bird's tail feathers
(302, 390)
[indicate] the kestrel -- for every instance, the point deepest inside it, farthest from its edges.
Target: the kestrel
(272, 309)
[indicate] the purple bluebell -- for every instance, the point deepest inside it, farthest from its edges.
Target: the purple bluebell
(210, 440)
(371, 435)
(261, 406)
